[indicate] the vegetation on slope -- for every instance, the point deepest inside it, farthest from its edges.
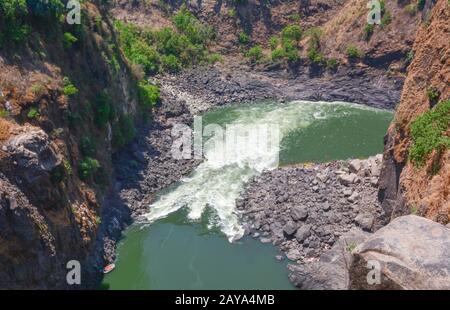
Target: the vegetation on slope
(169, 49)
(429, 133)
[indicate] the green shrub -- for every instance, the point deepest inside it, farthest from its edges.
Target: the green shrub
(67, 167)
(148, 94)
(13, 13)
(69, 89)
(278, 54)
(189, 25)
(3, 113)
(411, 8)
(38, 89)
(291, 33)
(69, 39)
(33, 113)
(433, 94)
(103, 110)
(290, 51)
(88, 168)
(167, 49)
(409, 57)
(232, 13)
(274, 41)
(368, 31)
(353, 52)
(142, 54)
(427, 133)
(214, 57)
(295, 17)
(255, 53)
(243, 38)
(15, 16)
(170, 63)
(332, 63)
(316, 57)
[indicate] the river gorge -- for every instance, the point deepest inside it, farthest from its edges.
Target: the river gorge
(191, 237)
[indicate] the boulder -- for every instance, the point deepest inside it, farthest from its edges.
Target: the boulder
(33, 154)
(365, 221)
(299, 213)
(347, 179)
(348, 192)
(290, 228)
(353, 197)
(355, 165)
(303, 233)
(293, 254)
(331, 272)
(411, 252)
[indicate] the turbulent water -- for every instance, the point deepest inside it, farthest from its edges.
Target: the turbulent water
(295, 129)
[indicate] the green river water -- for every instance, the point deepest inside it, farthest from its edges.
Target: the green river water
(191, 239)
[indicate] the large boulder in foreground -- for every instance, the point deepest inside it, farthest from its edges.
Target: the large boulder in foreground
(412, 253)
(331, 271)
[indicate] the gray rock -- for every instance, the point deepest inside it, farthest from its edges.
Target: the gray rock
(290, 228)
(354, 165)
(303, 233)
(279, 258)
(323, 177)
(299, 213)
(348, 192)
(34, 154)
(353, 197)
(347, 179)
(365, 221)
(332, 269)
(412, 253)
(326, 207)
(293, 254)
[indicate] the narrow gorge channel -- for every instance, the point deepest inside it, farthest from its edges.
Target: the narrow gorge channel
(192, 237)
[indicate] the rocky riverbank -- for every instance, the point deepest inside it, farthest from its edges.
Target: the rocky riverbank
(304, 209)
(203, 88)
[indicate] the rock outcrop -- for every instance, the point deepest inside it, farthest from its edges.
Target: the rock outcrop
(331, 271)
(405, 188)
(411, 253)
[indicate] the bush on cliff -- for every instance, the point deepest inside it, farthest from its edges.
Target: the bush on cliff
(428, 133)
(87, 168)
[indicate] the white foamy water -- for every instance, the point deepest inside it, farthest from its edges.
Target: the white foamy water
(217, 182)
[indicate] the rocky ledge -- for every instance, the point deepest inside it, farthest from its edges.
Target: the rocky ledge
(305, 209)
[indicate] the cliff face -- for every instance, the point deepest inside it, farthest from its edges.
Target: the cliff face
(404, 186)
(341, 23)
(63, 92)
